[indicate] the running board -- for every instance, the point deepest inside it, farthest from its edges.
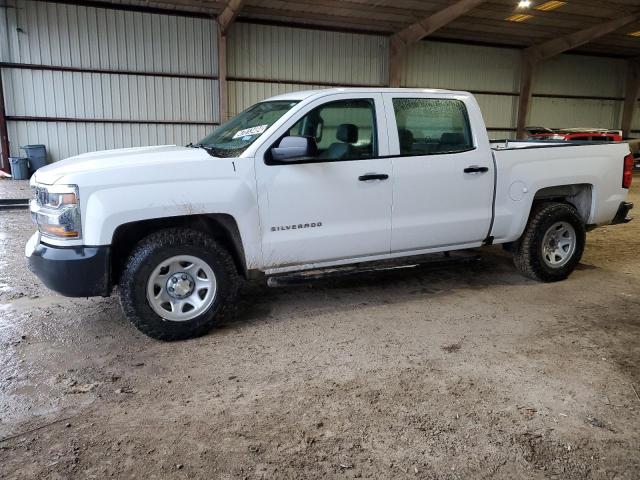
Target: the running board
(436, 260)
(13, 203)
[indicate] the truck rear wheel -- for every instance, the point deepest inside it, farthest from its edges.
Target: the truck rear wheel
(177, 284)
(552, 243)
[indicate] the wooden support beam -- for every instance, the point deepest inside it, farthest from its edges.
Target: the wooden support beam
(568, 42)
(527, 68)
(229, 14)
(400, 41)
(632, 92)
(225, 19)
(4, 135)
(223, 99)
(425, 27)
(396, 58)
(537, 53)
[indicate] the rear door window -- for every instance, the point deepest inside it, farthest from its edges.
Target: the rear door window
(430, 126)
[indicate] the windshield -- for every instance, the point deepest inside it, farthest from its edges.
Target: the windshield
(234, 137)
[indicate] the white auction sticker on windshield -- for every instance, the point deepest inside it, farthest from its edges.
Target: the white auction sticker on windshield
(250, 131)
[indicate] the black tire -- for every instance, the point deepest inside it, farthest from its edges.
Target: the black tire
(160, 246)
(528, 250)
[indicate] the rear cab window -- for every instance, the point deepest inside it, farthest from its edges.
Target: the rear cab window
(432, 126)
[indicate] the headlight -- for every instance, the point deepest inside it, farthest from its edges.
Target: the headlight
(56, 211)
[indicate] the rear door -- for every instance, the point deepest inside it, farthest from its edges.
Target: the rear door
(328, 208)
(442, 172)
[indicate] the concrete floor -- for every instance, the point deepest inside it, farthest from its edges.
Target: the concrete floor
(466, 372)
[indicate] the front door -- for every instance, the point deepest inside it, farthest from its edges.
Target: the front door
(442, 174)
(325, 208)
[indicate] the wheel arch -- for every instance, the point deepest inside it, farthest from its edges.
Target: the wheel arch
(580, 196)
(222, 227)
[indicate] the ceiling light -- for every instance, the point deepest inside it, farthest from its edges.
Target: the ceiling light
(524, 4)
(518, 17)
(634, 34)
(551, 5)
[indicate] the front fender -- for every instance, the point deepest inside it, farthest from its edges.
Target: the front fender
(110, 207)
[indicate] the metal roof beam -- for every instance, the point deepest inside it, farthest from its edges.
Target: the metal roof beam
(406, 37)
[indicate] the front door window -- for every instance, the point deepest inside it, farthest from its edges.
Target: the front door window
(342, 130)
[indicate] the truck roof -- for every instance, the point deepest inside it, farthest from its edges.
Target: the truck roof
(304, 94)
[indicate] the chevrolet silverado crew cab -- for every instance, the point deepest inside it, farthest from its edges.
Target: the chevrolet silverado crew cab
(309, 181)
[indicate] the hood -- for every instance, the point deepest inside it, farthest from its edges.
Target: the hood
(118, 159)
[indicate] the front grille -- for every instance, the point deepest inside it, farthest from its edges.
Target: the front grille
(42, 196)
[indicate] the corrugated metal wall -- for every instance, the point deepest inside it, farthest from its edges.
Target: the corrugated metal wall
(178, 105)
(493, 74)
(599, 80)
(112, 101)
(265, 60)
(268, 60)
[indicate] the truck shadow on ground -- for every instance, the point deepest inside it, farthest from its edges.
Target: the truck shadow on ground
(259, 303)
(340, 293)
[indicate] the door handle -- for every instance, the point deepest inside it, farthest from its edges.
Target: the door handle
(373, 176)
(476, 169)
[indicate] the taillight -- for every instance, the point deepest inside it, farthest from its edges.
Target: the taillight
(627, 171)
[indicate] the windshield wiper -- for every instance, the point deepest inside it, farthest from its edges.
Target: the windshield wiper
(213, 151)
(199, 145)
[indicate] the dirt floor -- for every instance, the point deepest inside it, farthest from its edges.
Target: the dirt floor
(466, 372)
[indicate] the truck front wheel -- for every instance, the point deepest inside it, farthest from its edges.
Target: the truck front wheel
(552, 243)
(177, 284)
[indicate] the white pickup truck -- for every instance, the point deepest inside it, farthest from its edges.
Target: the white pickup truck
(307, 181)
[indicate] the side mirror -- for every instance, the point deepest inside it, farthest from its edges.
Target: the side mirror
(294, 148)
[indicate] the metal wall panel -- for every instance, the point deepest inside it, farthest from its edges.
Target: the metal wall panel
(244, 94)
(470, 68)
(64, 139)
(4, 33)
(4, 52)
(73, 36)
(635, 124)
(461, 67)
(294, 54)
(481, 68)
(109, 96)
(261, 52)
(578, 75)
(569, 112)
(498, 111)
(501, 134)
(581, 75)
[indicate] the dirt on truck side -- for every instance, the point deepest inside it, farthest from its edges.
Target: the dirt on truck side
(469, 371)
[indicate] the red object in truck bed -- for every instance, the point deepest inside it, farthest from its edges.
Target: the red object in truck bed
(577, 134)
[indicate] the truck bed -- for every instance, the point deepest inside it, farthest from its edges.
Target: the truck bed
(524, 168)
(507, 144)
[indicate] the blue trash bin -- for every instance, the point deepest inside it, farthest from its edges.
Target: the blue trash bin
(37, 155)
(19, 168)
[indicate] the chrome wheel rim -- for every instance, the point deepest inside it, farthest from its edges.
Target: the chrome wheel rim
(558, 244)
(182, 287)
